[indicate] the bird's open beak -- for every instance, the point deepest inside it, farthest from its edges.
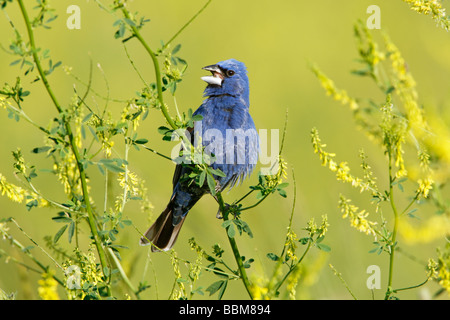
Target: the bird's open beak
(217, 75)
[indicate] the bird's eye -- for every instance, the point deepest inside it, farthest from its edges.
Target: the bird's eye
(230, 73)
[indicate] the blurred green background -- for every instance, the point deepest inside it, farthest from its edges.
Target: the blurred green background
(277, 40)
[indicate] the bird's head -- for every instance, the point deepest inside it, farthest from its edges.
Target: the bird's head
(227, 77)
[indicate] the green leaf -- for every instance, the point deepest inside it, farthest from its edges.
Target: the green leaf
(41, 149)
(127, 222)
(163, 130)
(211, 184)
(62, 219)
(106, 271)
(201, 180)
(15, 62)
(304, 241)
(130, 22)
(85, 119)
(141, 141)
(176, 49)
(282, 193)
(71, 231)
(59, 234)
(226, 223)
(217, 172)
(197, 117)
(273, 256)
(323, 247)
(216, 286)
(282, 185)
(113, 168)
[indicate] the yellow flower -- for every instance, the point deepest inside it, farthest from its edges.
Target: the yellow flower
(47, 287)
(13, 192)
(333, 91)
(292, 282)
(425, 186)
(358, 218)
(291, 244)
(443, 267)
(436, 227)
(433, 8)
(342, 169)
(259, 288)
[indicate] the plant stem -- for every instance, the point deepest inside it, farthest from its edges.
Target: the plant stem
(28, 253)
(147, 48)
(123, 273)
(275, 288)
(156, 152)
(412, 287)
(394, 232)
(91, 218)
(186, 25)
(234, 247)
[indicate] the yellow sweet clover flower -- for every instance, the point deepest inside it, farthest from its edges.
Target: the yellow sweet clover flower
(358, 218)
(274, 180)
(134, 113)
(367, 47)
(259, 288)
(172, 73)
(196, 267)
(47, 287)
(181, 293)
(394, 130)
(443, 268)
(425, 186)
(323, 226)
(89, 272)
(436, 227)
(433, 8)
(291, 244)
(13, 192)
(4, 230)
(311, 227)
(368, 174)
(292, 282)
(432, 269)
(342, 169)
(333, 91)
(135, 187)
(19, 194)
(105, 130)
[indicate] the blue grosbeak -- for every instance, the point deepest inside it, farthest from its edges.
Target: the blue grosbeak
(228, 134)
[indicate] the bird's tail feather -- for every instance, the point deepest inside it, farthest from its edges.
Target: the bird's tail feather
(162, 234)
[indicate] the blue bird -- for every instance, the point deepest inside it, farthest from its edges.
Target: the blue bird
(228, 134)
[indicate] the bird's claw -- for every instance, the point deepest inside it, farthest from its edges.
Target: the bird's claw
(219, 212)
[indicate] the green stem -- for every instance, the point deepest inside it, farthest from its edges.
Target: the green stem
(186, 25)
(147, 48)
(394, 232)
(257, 203)
(292, 268)
(123, 273)
(28, 253)
(156, 152)
(412, 287)
(91, 218)
(234, 247)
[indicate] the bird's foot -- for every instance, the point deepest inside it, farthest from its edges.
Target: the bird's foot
(219, 212)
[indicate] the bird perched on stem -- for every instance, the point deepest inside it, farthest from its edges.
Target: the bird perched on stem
(228, 134)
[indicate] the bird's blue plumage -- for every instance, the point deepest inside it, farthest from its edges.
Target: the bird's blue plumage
(227, 132)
